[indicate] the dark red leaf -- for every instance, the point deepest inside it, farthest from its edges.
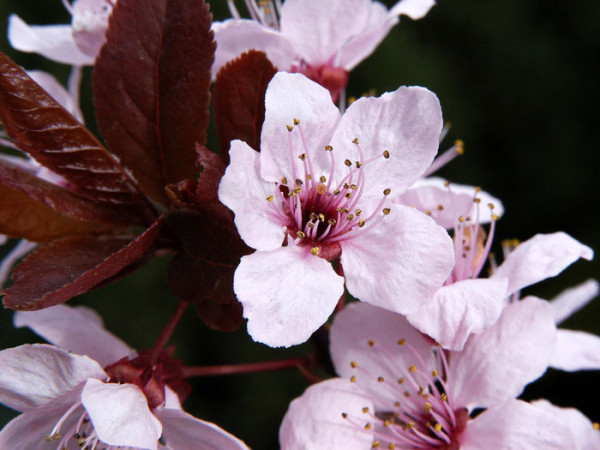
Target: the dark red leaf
(152, 88)
(239, 99)
(51, 135)
(202, 271)
(224, 317)
(71, 266)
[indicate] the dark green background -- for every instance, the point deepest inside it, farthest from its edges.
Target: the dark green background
(517, 80)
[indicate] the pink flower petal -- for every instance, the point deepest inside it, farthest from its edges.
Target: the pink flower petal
(235, 37)
(293, 96)
(78, 330)
(89, 24)
(586, 436)
(183, 431)
(515, 424)
(315, 420)
(120, 414)
(399, 262)
(543, 256)
(318, 29)
(572, 300)
(57, 91)
(415, 9)
(576, 350)
(54, 42)
(497, 364)
(244, 192)
(407, 123)
(357, 327)
(34, 375)
(286, 294)
(459, 310)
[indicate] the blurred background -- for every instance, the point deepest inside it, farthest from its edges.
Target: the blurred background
(518, 82)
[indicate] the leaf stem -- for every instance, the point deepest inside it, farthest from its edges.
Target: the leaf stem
(231, 369)
(167, 331)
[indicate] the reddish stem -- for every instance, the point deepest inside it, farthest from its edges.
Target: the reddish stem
(341, 304)
(167, 331)
(231, 369)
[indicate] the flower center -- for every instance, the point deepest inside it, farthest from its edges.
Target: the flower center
(321, 210)
(419, 413)
(75, 426)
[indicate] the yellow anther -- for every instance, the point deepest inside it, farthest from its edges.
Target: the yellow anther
(361, 223)
(328, 148)
(391, 446)
(401, 341)
(428, 212)
(386, 211)
(440, 207)
(346, 186)
(421, 390)
(495, 217)
(461, 219)
(308, 176)
(331, 222)
(406, 394)
(48, 438)
(358, 164)
(283, 180)
(321, 189)
(386, 154)
(348, 194)
(300, 234)
(314, 251)
(443, 397)
(476, 200)
(310, 225)
(323, 179)
(353, 364)
(375, 444)
(387, 423)
(345, 415)
(368, 426)
(339, 209)
(322, 217)
(460, 146)
(371, 342)
(428, 407)
(270, 198)
(353, 187)
(477, 189)
(289, 127)
(434, 373)
(438, 427)
(358, 212)
(296, 121)
(412, 368)
(596, 426)
(387, 191)
(446, 183)
(348, 162)
(336, 192)
(400, 380)
(297, 190)
(302, 156)
(397, 405)
(350, 217)
(380, 379)
(355, 141)
(298, 182)
(491, 205)
(352, 379)
(365, 409)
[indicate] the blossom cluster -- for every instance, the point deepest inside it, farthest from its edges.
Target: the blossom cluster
(321, 219)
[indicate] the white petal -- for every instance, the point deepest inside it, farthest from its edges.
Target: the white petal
(576, 350)
(56, 90)
(459, 310)
(33, 375)
(399, 262)
(415, 9)
(54, 42)
(497, 364)
(315, 420)
(406, 122)
(582, 428)
(78, 330)
(183, 431)
(573, 299)
(235, 37)
(543, 256)
(244, 192)
(286, 294)
(513, 425)
(357, 327)
(319, 29)
(292, 96)
(120, 414)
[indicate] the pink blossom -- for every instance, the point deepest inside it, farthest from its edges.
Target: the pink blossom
(322, 39)
(319, 190)
(399, 391)
(76, 44)
(69, 401)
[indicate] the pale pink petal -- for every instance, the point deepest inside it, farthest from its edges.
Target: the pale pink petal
(120, 414)
(514, 425)
(497, 364)
(406, 123)
(586, 436)
(576, 350)
(34, 375)
(315, 420)
(171, 399)
(90, 21)
(31, 429)
(292, 96)
(362, 44)
(543, 256)
(235, 37)
(415, 9)
(183, 431)
(74, 330)
(244, 192)
(318, 29)
(573, 299)
(459, 310)
(286, 294)
(399, 262)
(54, 42)
(368, 336)
(446, 203)
(56, 90)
